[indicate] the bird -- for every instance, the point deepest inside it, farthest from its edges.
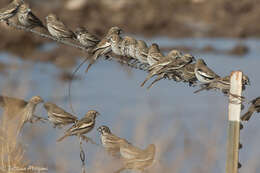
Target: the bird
(141, 51)
(154, 54)
(85, 38)
(254, 107)
(174, 54)
(110, 141)
(128, 47)
(223, 84)
(27, 18)
(104, 46)
(58, 116)
(10, 10)
(136, 158)
(57, 28)
(82, 126)
(187, 74)
(19, 108)
(203, 73)
(115, 41)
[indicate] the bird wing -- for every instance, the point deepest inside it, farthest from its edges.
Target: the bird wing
(61, 27)
(104, 43)
(10, 101)
(82, 124)
(59, 112)
(8, 9)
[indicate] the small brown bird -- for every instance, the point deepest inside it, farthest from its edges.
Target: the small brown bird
(58, 116)
(223, 84)
(85, 38)
(135, 158)
(115, 41)
(27, 18)
(10, 10)
(154, 54)
(110, 141)
(82, 126)
(254, 107)
(141, 51)
(203, 73)
(187, 74)
(128, 46)
(174, 54)
(104, 46)
(57, 28)
(20, 108)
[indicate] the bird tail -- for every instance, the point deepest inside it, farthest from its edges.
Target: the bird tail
(247, 116)
(63, 137)
(92, 60)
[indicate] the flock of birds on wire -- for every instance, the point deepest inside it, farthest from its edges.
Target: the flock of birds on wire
(175, 65)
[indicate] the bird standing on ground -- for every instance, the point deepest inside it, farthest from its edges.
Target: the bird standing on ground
(57, 28)
(85, 38)
(82, 126)
(109, 141)
(10, 10)
(104, 46)
(27, 18)
(203, 73)
(254, 107)
(154, 54)
(58, 116)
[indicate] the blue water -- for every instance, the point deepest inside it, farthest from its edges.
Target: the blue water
(169, 112)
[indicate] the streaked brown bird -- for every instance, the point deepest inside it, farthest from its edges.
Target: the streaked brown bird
(223, 84)
(82, 126)
(203, 73)
(58, 116)
(115, 41)
(154, 54)
(135, 158)
(254, 107)
(85, 38)
(27, 18)
(141, 51)
(104, 46)
(128, 46)
(10, 10)
(109, 141)
(21, 109)
(57, 28)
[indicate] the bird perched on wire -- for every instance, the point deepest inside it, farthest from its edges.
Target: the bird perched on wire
(104, 46)
(82, 126)
(187, 74)
(110, 141)
(203, 73)
(85, 38)
(57, 28)
(115, 41)
(168, 64)
(58, 116)
(10, 10)
(20, 109)
(254, 107)
(223, 84)
(27, 18)
(135, 158)
(141, 51)
(154, 54)
(128, 46)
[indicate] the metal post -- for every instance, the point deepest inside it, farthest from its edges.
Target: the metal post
(234, 110)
